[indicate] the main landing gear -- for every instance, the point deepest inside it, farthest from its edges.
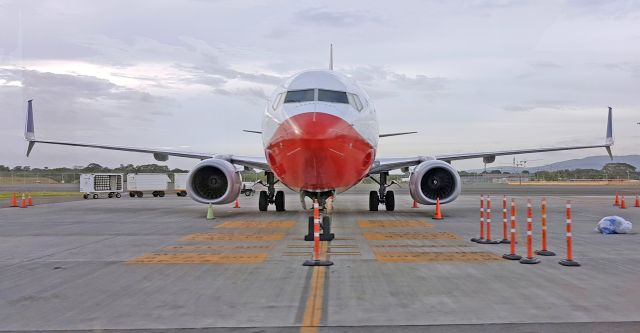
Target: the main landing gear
(271, 196)
(382, 196)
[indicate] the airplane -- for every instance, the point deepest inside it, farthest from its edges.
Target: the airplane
(320, 136)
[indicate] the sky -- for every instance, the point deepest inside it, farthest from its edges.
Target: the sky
(191, 75)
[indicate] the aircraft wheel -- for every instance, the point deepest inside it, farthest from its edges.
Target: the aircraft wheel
(389, 201)
(374, 201)
(280, 201)
(263, 201)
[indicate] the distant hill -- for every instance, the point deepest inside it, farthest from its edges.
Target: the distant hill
(592, 162)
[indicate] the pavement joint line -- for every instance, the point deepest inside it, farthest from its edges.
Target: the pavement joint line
(394, 224)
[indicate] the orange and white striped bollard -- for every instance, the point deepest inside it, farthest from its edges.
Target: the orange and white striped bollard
(481, 221)
(544, 251)
(488, 224)
(316, 261)
(505, 239)
(569, 260)
(512, 255)
(529, 259)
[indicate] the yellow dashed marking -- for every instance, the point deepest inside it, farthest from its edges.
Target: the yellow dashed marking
(211, 236)
(200, 258)
(415, 257)
(393, 224)
(217, 247)
(394, 246)
(410, 235)
(258, 224)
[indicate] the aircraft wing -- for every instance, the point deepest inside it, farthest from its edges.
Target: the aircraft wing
(388, 164)
(158, 154)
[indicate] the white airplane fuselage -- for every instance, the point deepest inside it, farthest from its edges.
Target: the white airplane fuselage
(320, 132)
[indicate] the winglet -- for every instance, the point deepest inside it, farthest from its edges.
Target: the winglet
(29, 132)
(609, 140)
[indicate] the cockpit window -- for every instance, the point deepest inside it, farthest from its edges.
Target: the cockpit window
(332, 96)
(297, 96)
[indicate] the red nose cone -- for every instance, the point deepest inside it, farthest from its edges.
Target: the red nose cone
(318, 151)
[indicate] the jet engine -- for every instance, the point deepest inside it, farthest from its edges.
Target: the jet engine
(214, 181)
(434, 179)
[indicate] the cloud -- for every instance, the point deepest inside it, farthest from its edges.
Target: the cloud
(545, 65)
(537, 104)
(377, 78)
(331, 18)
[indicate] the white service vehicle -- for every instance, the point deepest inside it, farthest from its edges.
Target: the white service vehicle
(91, 184)
(156, 183)
(180, 183)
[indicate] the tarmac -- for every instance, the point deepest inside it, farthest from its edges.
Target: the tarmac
(157, 265)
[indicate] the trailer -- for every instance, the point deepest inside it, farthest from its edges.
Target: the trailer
(156, 183)
(92, 184)
(247, 188)
(180, 184)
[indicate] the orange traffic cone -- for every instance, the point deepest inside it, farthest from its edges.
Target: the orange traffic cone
(637, 201)
(23, 204)
(415, 204)
(237, 204)
(622, 204)
(14, 201)
(438, 214)
(29, 200)
(616, 202)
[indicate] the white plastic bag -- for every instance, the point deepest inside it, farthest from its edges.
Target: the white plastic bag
(614, 225)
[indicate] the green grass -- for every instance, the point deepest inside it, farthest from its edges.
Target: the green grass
(7, 195)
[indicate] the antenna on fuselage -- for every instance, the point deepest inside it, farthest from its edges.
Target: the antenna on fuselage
(331, 57)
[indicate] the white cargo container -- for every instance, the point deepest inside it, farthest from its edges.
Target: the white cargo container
(91, 184)
(156, 183)
(180, 183)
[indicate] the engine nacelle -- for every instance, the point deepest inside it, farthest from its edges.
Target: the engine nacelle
(434, 179)
(214, 181)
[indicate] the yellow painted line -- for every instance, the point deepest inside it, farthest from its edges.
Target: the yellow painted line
(330, 246)
(410, 235)
(424, 257)
(313, 308)
(258, 224)
(200, 258)
(212, 236)
(395, 246)
(216, 247)
(393, 224)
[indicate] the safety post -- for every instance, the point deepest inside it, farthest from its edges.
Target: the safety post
(544, 251)
(415, 204)
(316, 239)
(438, 213)
(616, 201)
(29, 200)
(14, 200)
(512, 255)
(210, 212)
(569, 261)
(529, 259)
(236, 204)
(488, 224)
(637, 205)
(623, 205)
(481, 220)
(23, 203)
(504, 240)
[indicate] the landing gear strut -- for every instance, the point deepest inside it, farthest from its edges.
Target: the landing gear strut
(382, 196)
(271, 196)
